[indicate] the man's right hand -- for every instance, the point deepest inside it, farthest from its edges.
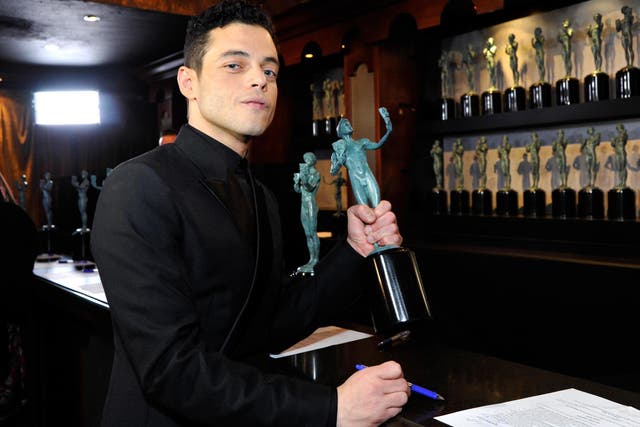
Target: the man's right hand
(371, 396)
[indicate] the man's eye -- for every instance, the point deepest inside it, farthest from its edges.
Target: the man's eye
(233, 66)
(270, 73)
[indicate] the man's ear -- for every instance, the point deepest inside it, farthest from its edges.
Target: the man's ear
(186, 81)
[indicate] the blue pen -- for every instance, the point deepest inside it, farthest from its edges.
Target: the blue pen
(414, 387)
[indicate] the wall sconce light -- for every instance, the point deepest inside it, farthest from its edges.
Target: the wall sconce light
(347, 40)
(311, 52)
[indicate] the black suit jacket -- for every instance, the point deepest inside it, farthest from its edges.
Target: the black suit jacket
(191, 296)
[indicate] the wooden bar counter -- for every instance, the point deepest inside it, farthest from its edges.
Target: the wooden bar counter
(76, 349)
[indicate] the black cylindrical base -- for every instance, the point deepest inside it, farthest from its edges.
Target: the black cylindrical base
(447, 109)
(507, 203)
(317, 128)
(622, 204)
(491, 102)
(567, 91)
(628, 82)
(540, 95)
(481, 202)
(535, 201)
(515, 99)
(591, 203)
(396, 294)
(439, 201)
(470, 105)
(459, 200)
(596, 87)
(563, 203)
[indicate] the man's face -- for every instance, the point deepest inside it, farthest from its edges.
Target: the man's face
(234, 97)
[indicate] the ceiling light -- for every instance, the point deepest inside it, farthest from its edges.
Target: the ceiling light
(91, 18)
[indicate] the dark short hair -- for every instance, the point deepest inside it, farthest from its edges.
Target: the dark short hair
(217, 16)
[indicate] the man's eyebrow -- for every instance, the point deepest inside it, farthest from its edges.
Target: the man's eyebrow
(272, 60)
(234, 53)
(230, 53)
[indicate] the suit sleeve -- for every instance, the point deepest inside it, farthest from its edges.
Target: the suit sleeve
(136, 241)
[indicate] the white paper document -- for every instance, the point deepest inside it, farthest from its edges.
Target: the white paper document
(321, 338)
(565, 408)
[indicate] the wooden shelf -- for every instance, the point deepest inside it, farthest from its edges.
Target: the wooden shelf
(604, 242)
(602, 111)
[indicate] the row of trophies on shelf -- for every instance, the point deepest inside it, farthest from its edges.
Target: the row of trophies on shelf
(596, 84)
(82, 185)
(328, 107)
(590, 200)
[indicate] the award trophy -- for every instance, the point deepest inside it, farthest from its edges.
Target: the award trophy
(621, 199)
(492, 98)
(81, 186)
(540, 92)
(317, 124)
(459, 196)
(306, 182)
(21, 186)
(447, 104)
(596, 84)
(470, 101)
(591, 198)
(628, 78)
(534, 197)
(438, 193)
(515, 96)
(563, 198)
(506, 197)
(567, 88)
(330, 87)
(46, 186)
(481, 198)
(396, 293)
(94, 179)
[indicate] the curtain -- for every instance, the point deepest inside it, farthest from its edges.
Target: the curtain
(16, 144)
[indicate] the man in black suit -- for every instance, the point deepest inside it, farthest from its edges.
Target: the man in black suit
(189, 249)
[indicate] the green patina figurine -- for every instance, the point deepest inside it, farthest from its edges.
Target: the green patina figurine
(437, 153)
(533, 148)
(443, 63)
(619, 145)
(46, 186)
(351, 153)
(94, 180)
(565, 36)
(306, 182)
(594, 32)
(482, 148)
(489, 51)
(511, 49)
(82, 185)
(625, 27)
(504, 149)
(538, 45)
(467, 63)
(558, 146)
(458, 163)
(21, 186)
(588, 147)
